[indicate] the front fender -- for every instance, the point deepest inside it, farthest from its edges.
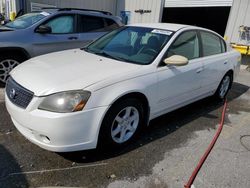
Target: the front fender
(106, 96)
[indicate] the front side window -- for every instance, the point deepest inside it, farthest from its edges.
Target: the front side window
(27, 20)
(137, 45)
(211, 44)
(62, 24)
(187, 45)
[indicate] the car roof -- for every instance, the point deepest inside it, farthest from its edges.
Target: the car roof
(165, 26)
(86, 11)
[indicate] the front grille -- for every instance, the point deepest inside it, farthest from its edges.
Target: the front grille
(18, 94)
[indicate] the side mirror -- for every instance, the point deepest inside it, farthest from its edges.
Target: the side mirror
(176, 60)
(44, 29)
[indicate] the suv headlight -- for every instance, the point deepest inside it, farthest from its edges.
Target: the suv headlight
(64, 102)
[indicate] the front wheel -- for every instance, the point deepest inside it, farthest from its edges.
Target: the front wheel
(121, 123)
(224, 86)
(6, 65)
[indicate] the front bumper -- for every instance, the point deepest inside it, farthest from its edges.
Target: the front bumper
(58, 132)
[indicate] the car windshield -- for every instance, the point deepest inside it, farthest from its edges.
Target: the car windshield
(26, 20)
(139, 45)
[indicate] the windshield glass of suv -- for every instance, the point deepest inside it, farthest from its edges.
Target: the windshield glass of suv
(138, 45)
(26, 20)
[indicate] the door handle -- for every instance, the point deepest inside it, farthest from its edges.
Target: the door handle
(73, 38)
(225, 62)
(199, 70)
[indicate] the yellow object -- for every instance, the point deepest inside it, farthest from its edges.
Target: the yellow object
(12, 16)
(245, 50)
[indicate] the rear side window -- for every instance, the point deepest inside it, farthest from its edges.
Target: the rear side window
(91, 24)
(187, 45)
(211, 44)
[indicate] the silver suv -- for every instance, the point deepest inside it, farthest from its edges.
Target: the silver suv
(50, 30)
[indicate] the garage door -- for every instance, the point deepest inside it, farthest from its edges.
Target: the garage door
(198, 3)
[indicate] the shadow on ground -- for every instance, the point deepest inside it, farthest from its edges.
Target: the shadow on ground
(8, 166)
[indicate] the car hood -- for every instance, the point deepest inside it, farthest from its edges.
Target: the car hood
(67, 70)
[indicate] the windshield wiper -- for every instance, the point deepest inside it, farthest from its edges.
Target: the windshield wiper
(105, 54)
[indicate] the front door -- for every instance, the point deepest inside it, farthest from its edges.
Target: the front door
(62, 37)
(179, 84)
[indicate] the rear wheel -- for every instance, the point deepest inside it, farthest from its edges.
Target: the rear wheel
(224, 86)
(7, 63)
(121, 123)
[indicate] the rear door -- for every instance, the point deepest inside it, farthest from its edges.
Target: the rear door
(215, 60)
(92, 27)
(63, 36)
(178, 85)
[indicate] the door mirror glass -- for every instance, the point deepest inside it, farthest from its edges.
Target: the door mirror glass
(176, 60)
(44, 29)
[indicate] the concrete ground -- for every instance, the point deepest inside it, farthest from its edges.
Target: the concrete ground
(163, 156)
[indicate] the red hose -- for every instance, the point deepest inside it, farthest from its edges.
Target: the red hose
(204, 157)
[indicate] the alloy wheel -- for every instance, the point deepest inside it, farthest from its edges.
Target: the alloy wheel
(5, 67)
(125, 124)
(225, 84)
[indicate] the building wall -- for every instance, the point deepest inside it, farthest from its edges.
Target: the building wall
(155, 6)
(8, 6)
(114, 6)
(2, 3)
(239, 15)
(107, 5)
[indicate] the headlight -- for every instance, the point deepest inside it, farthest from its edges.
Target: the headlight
(69, 101)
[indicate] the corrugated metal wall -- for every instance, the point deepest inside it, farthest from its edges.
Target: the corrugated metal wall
(107, 5)
(2, 3)
(239, 15)
(198, 3)
(155, 6)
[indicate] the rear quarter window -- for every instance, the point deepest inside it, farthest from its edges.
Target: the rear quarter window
(110, 24)
(223, 46)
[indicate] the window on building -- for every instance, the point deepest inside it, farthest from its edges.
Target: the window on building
(187, 45)
(211, 44)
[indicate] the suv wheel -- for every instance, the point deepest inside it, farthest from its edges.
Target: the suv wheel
(7, 63)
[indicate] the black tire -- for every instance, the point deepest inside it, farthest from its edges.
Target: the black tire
(5, 68)
(105, 140)
(219, 94)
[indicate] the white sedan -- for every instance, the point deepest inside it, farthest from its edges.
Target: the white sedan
(103, 94)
